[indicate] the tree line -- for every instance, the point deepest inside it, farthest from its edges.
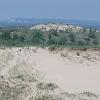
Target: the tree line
(27, 37)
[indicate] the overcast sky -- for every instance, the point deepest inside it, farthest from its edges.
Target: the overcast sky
(63, 9)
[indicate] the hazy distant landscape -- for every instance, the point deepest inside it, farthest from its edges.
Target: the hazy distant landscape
(29, 22)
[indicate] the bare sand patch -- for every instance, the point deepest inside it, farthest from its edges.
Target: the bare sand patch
(72, 70)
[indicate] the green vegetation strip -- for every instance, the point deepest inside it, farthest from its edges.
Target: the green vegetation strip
(25, 37)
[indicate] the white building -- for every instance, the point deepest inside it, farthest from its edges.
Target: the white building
(58, 27)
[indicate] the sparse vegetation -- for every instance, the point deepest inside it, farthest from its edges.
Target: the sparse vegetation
(21, 79)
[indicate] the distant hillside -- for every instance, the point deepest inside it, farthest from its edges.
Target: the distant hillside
(29, 22)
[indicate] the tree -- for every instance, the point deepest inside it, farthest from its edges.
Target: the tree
(21, 38)
(72, 37)
(51, 41)
(81, 43)
(15, 37)
(87, 40)
(62, 41)
(49, 37)
(95, 42)
(38, 38)
(92, 33)
(5, 36)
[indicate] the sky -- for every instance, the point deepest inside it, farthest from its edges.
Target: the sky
(57, 9)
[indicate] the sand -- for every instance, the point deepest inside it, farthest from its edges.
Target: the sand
(74, 71)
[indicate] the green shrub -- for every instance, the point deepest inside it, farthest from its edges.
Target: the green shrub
(92, 33)
(72, 37)
(38, 38)
(5, 36)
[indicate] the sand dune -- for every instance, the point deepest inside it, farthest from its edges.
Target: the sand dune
(73, 70)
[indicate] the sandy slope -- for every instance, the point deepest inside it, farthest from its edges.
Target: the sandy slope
(72, 70)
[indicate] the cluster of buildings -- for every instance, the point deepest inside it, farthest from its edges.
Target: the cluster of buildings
(58, 27)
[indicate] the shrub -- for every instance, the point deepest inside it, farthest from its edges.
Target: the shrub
(62, 41)
(81, 43)
(52, 47)
(72, 37)
(51, 41)
(5, 36)
(38, 38)
(92, 33)
(21, 38)
(95, 41)
(15, 37)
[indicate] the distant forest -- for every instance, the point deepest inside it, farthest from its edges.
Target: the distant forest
(26, 37)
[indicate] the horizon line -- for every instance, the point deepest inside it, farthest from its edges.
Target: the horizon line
(49, 19)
